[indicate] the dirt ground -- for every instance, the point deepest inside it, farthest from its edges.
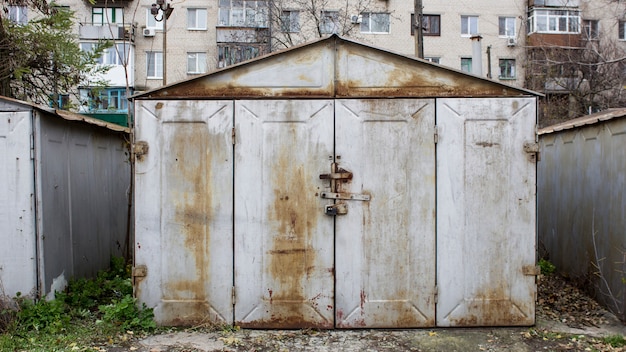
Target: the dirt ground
(567, 320)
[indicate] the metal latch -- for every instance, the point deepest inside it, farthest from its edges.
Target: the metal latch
(532, 148)
(336, 209)
(340, 175)
(345, 196)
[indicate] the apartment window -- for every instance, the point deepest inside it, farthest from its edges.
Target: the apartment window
(196, 63)
(18, 14)
(554, 21)
(62, 101)
(375, 23)
(469, 25)
(622, 30)
(506, 27)
(229, 54)
(115, 55)
(151, 22)
(290, 21)
(507, 69)
(154, 64)
(591, 29)
(435, 60)
(329, 22)
(243, 13)
(431, 25)
(466, 64)
(196, 19)
(107, 15)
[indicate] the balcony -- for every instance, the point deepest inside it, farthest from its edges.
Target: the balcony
(554, 3)
(111, 32)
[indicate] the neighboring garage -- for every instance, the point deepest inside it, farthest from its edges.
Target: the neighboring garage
(336, 185)
(64, 197)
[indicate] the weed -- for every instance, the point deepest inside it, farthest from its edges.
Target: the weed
(615, 340)
(547, 268)
(125, 314)
(43, 315)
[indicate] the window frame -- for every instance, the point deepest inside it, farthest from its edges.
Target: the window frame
(433, 59)
(503, 26)
(510, 69)
(333, 17)
(466, 62)
(590, 29)
(621, 32)
(197, 14)
(427, 33)
(290, 21)
(550, 21)
(367, 20)
(229, 14)
(155, 57)
(18, 14)
(200, 67)
(107, 15)
(468, 25)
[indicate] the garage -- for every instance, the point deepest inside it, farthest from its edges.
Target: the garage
(336, 185)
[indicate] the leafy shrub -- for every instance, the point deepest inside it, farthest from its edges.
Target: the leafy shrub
(43, 315)
(547, 268)
(125, 314)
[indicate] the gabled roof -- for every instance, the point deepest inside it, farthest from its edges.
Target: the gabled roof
(605, 115)
(335, 67)
(10, 104)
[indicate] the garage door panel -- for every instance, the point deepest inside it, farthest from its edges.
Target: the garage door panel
(284, 245)
(485, 210)
(385, 246)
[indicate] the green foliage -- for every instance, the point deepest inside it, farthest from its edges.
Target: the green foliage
(125, 314)
(615, 340)
(47, 316)
(89, 310)
(547, 268)
(42, 58)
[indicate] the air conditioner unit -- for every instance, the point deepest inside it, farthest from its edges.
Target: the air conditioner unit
(511, 42)
(148, 32)
(356, 19)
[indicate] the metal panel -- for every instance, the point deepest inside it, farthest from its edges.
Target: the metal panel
(184, 210)
(581, 188)
(84, 179)
(283, 241)
(17, 212)
(385, 247)
(485, 212)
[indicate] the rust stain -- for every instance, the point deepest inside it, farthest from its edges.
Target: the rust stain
(158, 105)
(487, 144)
(189, 173)
(291, 256)
(363, 300)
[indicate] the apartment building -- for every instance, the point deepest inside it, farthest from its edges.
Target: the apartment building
(200, 36)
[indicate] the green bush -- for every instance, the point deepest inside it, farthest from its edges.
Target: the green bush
(125, 314)
(547, 268)
(47, 316)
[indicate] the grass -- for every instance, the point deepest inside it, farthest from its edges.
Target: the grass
(90, 313)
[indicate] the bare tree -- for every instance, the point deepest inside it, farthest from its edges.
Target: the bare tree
(586, 76)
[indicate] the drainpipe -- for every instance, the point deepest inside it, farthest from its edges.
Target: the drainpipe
(477, 61)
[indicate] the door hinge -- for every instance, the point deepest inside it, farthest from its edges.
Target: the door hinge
(233, 134)
(140, 271)
(531, 270)
(233, 296)
(532, 148)
(436, 135)
(32, 146)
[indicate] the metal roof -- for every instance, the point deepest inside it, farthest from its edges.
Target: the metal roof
(335, 67)
(64, 114)
(605, 115)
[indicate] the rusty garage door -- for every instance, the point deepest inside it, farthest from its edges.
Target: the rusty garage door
(334, 213)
